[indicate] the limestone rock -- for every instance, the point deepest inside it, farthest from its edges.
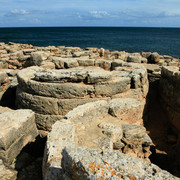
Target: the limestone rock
(38, 57)
(17, 129)
(154, 58)
(135, 59)
(86, 62)
(84, 163)
(126, 109)
(3, 76)
(7, 174)
(98, 75)
(70, 63)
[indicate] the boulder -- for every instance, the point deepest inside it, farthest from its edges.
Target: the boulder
(154, 58)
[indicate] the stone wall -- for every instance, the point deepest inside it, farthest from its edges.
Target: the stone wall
(170, 94)
(53, 93)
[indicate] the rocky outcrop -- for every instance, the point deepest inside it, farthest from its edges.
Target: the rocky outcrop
(53, 93)
(18, 56)
(17, 128)
(71, 153)
(108, 132)
(95, 98)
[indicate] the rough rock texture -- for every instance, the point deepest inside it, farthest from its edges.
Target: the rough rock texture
(4, 83)
(169, 91)
(17, 128)
(170, 96)
(56, 92)
(107, 134)
(84, 163)
(7, 174)
(18, 56)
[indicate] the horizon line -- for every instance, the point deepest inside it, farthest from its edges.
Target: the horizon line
(89, 27)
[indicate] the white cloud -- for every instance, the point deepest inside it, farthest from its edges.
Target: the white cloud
(17, 12)
(99, 14)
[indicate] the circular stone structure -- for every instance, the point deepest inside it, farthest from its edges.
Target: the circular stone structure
(51, 94)
(90, 141)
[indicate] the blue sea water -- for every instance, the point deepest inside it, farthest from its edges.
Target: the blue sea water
(165, 41)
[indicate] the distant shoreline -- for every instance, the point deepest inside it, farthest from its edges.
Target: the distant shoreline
(164, 40)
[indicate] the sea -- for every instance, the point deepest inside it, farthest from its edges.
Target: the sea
(165, 41)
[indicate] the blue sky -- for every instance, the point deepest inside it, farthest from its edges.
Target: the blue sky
(146, 13)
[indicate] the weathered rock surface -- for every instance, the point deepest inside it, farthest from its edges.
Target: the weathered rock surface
(169, 91)
(56, 92)
(107, 134)
(7, 174)
(17, 129)
(85, 163)
(128, 110)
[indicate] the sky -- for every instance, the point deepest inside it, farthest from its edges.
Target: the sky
(135, 13)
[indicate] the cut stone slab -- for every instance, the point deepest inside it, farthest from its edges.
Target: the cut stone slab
(66, 105)
(126, 109)
(109, 88)
(98, 75)
(86, 62)
(39, 104)
(152, 68)
(17, 128)
(89, 110)
(70, 63)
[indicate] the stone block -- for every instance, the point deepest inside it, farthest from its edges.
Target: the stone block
(135, 59)
(17, 129)
(59, 62)
(38, 57)
(115, 86)
(105, 64)
(88, 112)
(127, 110)
(98, 75)
(45, 122)
(66, 105)
(70, 63)
(39, 104)
(86, 62)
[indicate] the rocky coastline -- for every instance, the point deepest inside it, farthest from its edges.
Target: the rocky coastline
(105, 114)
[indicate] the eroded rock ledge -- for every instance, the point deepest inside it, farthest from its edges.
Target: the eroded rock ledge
(88, 144)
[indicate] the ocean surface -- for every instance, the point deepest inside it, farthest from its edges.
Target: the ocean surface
(165, 41)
